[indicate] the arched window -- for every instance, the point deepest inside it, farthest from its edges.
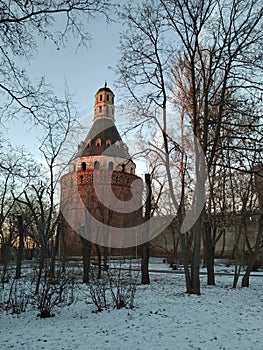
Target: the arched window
(98, 142)
(131, 170)
(108, 143)
(110, 166)
(100, 109)
(96, 165)
(83, 166)
(100, 97)
(108, 97)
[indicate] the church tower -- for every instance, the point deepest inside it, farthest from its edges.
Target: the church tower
(103, 147)
(102, 155)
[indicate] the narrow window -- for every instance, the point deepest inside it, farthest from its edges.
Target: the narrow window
(81, 179)
(98, 143)
(108, 97)
(83, 166)
(100, 97)
(108, 143)
(100, 109)
(96, 165)
(110, 167)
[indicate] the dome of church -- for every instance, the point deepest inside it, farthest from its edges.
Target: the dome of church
(105, 88)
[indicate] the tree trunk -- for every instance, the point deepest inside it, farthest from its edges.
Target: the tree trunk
(20, 249)
(99, 261)
(145, 278)
(4, 260)
(62, 243)
(54, 250)
(209, 254)
(105, 258)
(185, 253)
(254, 255)
(86, 251)
(40, 268)
(236, 276)
(195, 266)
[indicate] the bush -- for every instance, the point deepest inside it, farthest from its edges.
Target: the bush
(54, 292)
(116, 289)
(15, 296)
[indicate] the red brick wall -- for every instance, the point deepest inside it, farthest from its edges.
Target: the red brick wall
(81, 184)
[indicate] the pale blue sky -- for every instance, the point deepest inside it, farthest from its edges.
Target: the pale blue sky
(85, 71)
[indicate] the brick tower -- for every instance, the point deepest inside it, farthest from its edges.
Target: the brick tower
(101, 164)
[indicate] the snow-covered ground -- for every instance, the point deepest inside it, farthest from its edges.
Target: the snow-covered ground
(164, 317)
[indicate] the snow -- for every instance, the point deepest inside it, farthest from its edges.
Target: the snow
(164, 318)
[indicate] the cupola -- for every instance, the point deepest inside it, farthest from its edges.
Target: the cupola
(104, 104)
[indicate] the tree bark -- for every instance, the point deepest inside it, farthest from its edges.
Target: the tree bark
(4, 260)
(195, 266)
(40, 268)
(185, 253)
(54, 250)
(145, 277)
(105, 258)
(209, 254)
(253, 257)
(99, 261)
(19, 256)
(145, 264)
(86, 251)
(236, 276)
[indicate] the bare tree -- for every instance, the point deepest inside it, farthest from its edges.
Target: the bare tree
(16, 171)
(42, 198)
(145, 65)
(217, 46)
(23, 24)
(258, 244)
